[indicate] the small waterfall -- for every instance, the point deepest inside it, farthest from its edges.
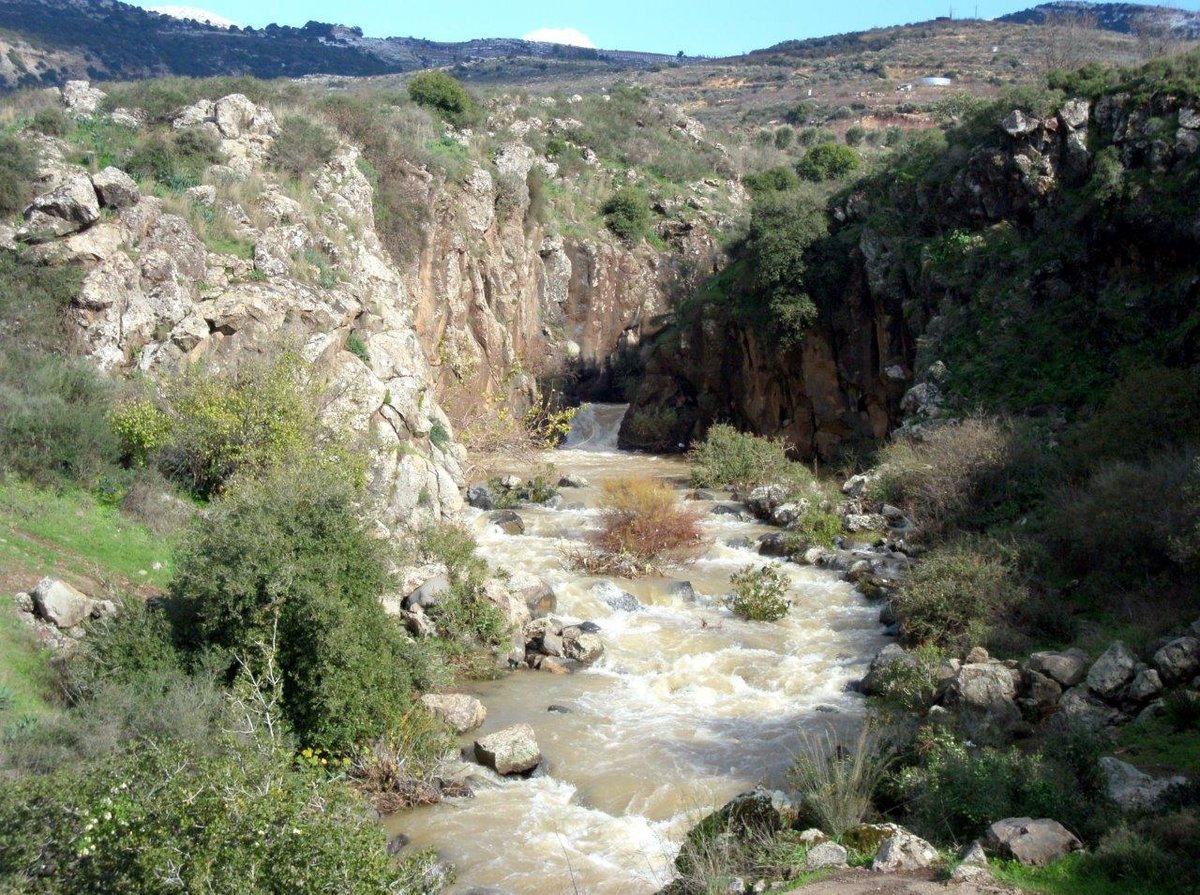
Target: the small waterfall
(595, 428)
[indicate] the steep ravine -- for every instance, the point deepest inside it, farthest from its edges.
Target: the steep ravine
(687, 707)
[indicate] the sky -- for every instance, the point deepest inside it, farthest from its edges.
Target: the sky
(699, 27)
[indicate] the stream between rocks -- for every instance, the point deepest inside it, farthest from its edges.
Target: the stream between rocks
(687, 707)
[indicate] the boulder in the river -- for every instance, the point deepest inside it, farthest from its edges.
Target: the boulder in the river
(585, 648)
(615, 598)
(534, 591)
(429, 593)
(513, 750)
(508, 521)
(763, 500)
(458, 710)
(1033, 842)
(481, 497)
(570, 480)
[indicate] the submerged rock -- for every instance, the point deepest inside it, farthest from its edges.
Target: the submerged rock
(508, 521)
(513, 750)
(615, 598)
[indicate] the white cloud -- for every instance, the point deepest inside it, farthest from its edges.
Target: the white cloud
(195, 13)
(570, 36)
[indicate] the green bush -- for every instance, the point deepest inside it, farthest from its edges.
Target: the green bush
(1120, 521)
(827, 161)
(728, 458)
(439, 91)
(18, 173)
(248, 421)
(174, 160)
(34, 299)
(627, 213)
(235, 820)
(779, 179)
(958, 596)
(782, 228)
(652, 430)
(356, 345)
(465, 616)
(814, 528)
(51, 122)
(54, 418)
(837, 782)
(957, 790)
(290, 558)
(1150, 410)
(136, 644)
(302, 146)
(855, 134)
(759, 594)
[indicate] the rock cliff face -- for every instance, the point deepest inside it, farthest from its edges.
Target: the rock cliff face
(489, 305)
(1038, 212)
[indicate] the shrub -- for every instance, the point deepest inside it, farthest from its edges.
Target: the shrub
(967, 476)
(237, 820)
(782, 227)
(399, 770)
(855, 134)
(958, 789)
(652, 430)
(141, 428)
(176, 160)
(627, 213)
(759, 594)
(773, 180)
(1119, 522)
(136, 644)
(33, 301)
(837, 783)
(827, 161)
(439, 91)
(248, 421)
(957, 595)
(53, 418)
(643, 523)
(1123, 854)
(18, 173)
(1150, 410)
(302, 146)
(741, 461)
(289, 560)
(51, 122)
(358, 347)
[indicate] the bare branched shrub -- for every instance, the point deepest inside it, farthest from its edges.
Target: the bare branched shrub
(836, 780)
(643, 526)
(401, 770)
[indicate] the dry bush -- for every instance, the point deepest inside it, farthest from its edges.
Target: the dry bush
(981, 471)
(642, 526)
(401, 770)
(838, 782)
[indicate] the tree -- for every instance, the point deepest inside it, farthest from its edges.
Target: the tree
(627, 213)
(438, 91)
(827, 161)
(1068, 36)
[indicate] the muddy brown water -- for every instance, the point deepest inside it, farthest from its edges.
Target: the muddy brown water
(688, 706)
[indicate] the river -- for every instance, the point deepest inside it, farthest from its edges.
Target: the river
(688, 706)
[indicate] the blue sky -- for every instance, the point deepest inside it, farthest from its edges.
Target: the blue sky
(715, 29)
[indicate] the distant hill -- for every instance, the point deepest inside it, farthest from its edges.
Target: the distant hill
(1124, 18)
(105, 39)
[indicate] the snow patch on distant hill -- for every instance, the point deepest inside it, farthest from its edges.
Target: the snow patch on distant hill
(195, 13)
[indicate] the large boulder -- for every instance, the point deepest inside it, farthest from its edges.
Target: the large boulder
(826, 854)
(1178, 661)
(1131, 789)
(513, 750)
(763, 501)
(81, 99)
(904, 851)
(458, 710)
(1033, 842)
(535, 592)
(115, 188)
(428, 594)
(60, 604)
(64, 210)
(481, 497)
(1066, 668)
(1112, 672)
(615, 598)
(508, 521)
(881, 668)
(982, 696)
